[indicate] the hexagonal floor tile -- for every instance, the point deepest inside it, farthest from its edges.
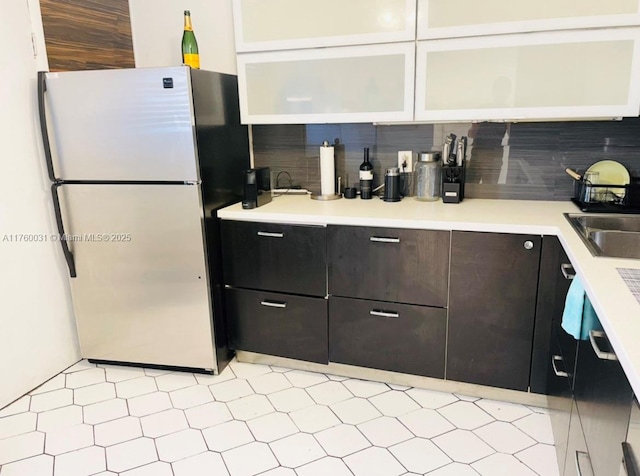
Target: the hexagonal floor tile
(272, 427)
(385, 431)
(394, 403)
(131, 454)
(328, 393)
(504, 437)
(159, 468)
(68, 439)
(37, 465)
(431, 399)
(463, 446)
(149, 404)
(191, 396)
(94, 393)
(355, 411)
(296, 450)
(204, 464)
(502, 465)
(117, 431)
(269, 383)
(537, 426)
(290, 400)
(85, 378)
(244, 370)
(227, 436)
(419, 455)
(374, 462)
(163, 423)
(503, 411)
(54, 383)
(105, 411)
(315, 418)
(180, 445)
(303, 379)
(465, 415)
(17, 424)
(250, 407)
(81, 462)
(79, 366)
(365, 388)
(19, 406)
(51, 400)
(541, 458)
(117, 373)
(231, 390)
(249, 459)
(455, 469)
(136, 387)
(426, 423)
(21, 447)
(323, 467)
(207, 415)
(175, 380)
(342, 440)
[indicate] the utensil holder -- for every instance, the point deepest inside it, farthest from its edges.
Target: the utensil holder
(453, 183)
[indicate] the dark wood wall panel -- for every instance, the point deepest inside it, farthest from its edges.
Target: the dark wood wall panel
(87, 34)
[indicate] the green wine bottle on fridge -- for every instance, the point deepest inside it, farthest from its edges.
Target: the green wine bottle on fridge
(190, 56)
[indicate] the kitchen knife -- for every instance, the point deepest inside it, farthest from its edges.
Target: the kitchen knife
(448, 150)
(462, 151)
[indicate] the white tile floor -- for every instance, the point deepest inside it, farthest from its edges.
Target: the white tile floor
(260, 420)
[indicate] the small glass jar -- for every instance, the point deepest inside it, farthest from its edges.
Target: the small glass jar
(428, 176)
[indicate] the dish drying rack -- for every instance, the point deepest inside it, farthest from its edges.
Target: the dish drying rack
(607, 198)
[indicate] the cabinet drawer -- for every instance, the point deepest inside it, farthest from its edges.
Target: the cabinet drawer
(278, 324)
(275, 257)
(385, 336)
(389, 264)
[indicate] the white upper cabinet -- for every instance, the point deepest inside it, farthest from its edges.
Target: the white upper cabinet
(570, 74)
(457, 18)
(262, 25)
(349, 84)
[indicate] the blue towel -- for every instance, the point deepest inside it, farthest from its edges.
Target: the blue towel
(579, 317)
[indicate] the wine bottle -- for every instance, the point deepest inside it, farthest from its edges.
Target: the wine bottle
(366, 176)
(190, 56)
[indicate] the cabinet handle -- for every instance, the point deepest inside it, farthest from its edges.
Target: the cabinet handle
(593, 335)
(559, 373)
(375, 312)
(380, 239)
(528, 245)
(567, 271)
(270, 234)
(274, 304)
(629, 460)
(583, 455)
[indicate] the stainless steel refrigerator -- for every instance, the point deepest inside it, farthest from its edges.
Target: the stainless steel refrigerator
(140, 160)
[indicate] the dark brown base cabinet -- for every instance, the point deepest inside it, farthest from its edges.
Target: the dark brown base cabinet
(278, 324)
(388, 336)
(492, 304)
(389, 264)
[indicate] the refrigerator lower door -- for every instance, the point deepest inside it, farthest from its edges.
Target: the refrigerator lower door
(141, 293)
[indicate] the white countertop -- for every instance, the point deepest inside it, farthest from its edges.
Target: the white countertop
(617, 308)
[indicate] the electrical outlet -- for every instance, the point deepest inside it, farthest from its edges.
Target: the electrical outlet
(405, 161)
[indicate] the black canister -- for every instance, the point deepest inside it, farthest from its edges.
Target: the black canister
(392, 185)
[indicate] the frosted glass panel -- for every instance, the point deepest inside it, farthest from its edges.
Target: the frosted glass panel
(549, 75)
(449, 13)
(272, 20)
(327, 85)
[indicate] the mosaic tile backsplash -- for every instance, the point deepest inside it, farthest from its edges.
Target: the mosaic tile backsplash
(506, 160)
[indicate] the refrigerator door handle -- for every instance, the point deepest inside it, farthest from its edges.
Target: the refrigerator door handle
(42, 87)
(68, 255)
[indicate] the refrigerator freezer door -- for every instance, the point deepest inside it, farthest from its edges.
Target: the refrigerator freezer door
(141, 293)
(122, 124)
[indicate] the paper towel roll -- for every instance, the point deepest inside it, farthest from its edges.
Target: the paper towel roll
(327, 171)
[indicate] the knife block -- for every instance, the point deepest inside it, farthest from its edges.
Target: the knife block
(452, 184)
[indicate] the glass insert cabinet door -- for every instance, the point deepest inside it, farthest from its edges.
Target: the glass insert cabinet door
(592, 73)
(350, 84)
(289, 24)
(457, 18)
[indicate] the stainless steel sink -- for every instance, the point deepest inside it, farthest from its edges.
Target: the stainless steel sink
(615, 236)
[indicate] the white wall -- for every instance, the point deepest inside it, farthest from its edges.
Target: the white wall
(156, 28)
(37, 330)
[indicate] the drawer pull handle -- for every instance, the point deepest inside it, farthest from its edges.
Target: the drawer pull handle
(585, 456)
(629, 460)
(380, 239)
(281, 305)
(559, 373)
(384, 313)
(567, 271)
(270, 234)
(593, 335)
